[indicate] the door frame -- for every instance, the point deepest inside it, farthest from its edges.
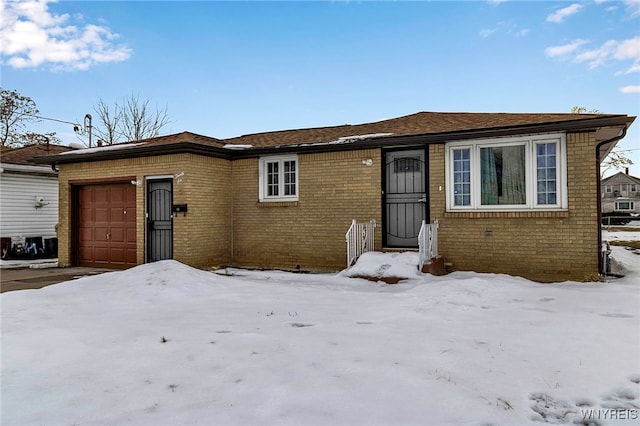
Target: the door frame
(147, 179)
(427, 213)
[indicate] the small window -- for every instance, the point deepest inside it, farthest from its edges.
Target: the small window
(547, 173)
(462, 177)
(608, 188)
(278, 178)
(633, 187)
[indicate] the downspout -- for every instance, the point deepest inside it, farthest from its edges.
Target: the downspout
(53, 167)
(599, 195)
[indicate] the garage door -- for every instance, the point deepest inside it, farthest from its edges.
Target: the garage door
(107, 225)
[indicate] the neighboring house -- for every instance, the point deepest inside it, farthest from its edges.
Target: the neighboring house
(28, 202)
(513, 193)
(621, 193)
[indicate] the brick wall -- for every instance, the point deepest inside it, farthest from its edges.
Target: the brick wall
(227, 225)
(202, 238)
(544, 246)
(334, 188)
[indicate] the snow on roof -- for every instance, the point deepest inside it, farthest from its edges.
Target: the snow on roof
(237, 146)
(341, 140)
(104, 148)
(362, 137)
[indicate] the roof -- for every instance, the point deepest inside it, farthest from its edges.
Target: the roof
(181, 137)
(421, 127)
(629, 177)
(420, 123)
(25, 154)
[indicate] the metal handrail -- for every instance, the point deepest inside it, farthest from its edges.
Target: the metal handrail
(360, 239)
(427, 242)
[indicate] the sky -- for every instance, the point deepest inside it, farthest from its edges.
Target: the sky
(225, 69)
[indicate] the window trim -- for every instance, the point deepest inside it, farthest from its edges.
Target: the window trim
(530, 142)
(631, 204)
(262, 173)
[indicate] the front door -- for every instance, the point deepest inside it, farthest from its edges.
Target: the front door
(405, 197)
(159, 219)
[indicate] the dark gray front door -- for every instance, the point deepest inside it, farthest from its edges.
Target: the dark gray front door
(159, 220)
(405, 197)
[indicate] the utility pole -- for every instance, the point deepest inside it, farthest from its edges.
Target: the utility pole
(87, 125)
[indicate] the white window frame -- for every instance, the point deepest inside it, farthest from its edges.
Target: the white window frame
(530, 142)
(262, 171)
(629, 202)
(608, 188)
(633, 187)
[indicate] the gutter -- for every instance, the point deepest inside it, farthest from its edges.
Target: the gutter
(26, 169)
(622, 134)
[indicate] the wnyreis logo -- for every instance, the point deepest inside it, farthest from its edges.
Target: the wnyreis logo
(610, 414)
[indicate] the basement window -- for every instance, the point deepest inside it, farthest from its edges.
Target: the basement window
(278, 178)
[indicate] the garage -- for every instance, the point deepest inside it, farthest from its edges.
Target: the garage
(105, 225)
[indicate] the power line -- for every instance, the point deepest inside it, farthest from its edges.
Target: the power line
(53, 119)
(76, 126)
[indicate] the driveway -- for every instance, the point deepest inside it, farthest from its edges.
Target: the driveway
(13, 279)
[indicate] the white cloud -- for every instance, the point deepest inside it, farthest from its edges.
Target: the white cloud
(628, 49)
(597, 57)
(559, 15)
(564, 49)
(632, 69)
(496, 2)
(32, 36)
(633, 7)
(504, 27)
(613, 50)
(486, 33)
(630, 89)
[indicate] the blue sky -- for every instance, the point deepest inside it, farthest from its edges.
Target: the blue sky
(224, 69)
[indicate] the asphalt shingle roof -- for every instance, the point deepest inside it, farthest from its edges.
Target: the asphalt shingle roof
(414, 124)
(23, 155)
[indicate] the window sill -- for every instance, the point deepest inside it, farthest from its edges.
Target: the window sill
(506, 214)
(277, 203)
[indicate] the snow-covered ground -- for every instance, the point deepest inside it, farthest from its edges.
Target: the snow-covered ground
(165, 344)
(613, 234)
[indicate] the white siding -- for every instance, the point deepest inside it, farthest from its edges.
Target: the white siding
(18, 214)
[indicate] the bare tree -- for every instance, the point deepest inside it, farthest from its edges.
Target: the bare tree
(31, 138)
(583, 110)
(616, 159)
(15, 112)
(132, 120)
(108, 128)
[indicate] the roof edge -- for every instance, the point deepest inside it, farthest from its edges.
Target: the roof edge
(585, 124)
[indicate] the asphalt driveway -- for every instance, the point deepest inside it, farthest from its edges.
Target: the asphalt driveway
(12, 279)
